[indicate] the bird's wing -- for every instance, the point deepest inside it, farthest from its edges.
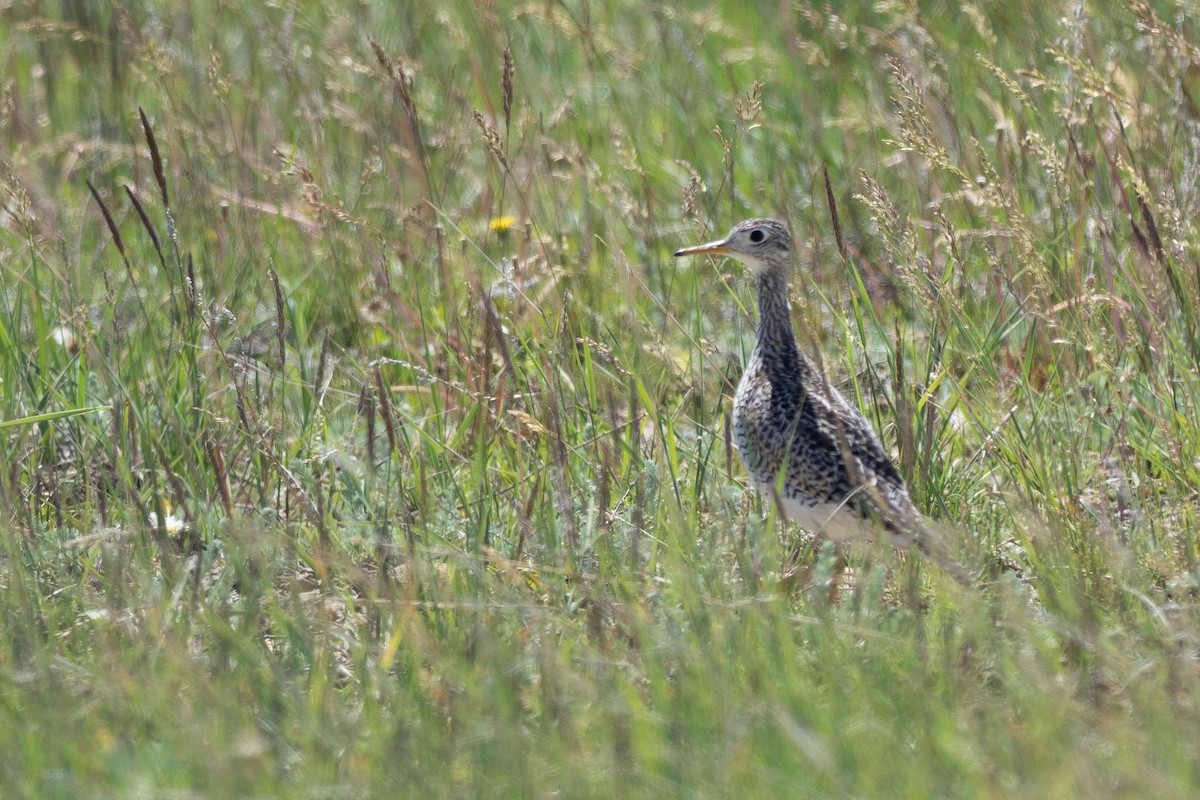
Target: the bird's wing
(849, 430)
(851, 433)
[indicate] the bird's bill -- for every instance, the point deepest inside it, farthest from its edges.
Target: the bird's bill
(713, 248)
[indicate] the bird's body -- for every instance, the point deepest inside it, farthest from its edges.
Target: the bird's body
(801, 441)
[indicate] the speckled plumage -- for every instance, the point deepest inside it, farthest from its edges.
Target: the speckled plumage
(799, 438)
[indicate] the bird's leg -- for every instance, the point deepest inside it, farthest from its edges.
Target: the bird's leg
(839, 569)
(792, 573)
(912, 588)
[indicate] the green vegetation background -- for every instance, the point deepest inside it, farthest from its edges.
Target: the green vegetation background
(362, 438)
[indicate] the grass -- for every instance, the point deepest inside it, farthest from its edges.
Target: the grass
(360, 435)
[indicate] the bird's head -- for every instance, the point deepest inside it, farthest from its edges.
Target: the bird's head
(760, 244)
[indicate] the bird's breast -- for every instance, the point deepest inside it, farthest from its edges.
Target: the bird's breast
(760, 438)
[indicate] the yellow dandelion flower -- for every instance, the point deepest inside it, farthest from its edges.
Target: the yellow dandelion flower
(501, 225)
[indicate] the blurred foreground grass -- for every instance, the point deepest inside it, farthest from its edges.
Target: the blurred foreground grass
(401, 464)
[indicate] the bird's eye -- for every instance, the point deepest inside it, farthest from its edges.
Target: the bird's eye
(756, 236)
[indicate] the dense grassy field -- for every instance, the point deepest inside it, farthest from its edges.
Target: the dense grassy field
(362, 438)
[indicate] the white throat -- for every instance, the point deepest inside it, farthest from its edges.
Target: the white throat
(753, 263)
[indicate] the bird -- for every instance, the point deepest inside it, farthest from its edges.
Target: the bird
(803, 444)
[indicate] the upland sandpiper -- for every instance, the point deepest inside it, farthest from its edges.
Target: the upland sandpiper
(803, 444)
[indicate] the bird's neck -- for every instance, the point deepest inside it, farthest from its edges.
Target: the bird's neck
(775, 339)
